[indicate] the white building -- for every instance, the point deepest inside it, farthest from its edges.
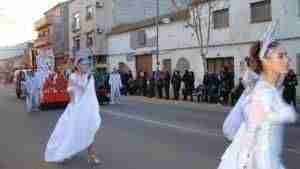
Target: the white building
(236, 25)
(89, 20)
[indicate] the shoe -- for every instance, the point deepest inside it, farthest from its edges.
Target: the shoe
(94, 160)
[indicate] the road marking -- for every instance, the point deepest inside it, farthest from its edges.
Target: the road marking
(174, 126)
(191, 130)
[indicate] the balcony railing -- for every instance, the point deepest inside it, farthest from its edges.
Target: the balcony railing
(42, 41)
(43, 22)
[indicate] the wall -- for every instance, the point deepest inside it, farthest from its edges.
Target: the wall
(176, 41)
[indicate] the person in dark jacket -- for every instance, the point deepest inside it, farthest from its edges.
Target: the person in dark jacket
(191, 86)
(186, 80)
(125, 82)
(144, 85)
(226, 85)
(152, 85)
(206, 86)
(176, 83)
(159, 83)
(237, 92)
(214, 88)
(167, 79)
(290, 83)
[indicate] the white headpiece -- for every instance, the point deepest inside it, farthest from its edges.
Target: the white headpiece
(268, 38)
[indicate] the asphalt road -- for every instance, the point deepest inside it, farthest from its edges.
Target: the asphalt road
(138, 134)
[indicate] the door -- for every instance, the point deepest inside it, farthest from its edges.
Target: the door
(144, 63)
(215, 65)
(167, 65)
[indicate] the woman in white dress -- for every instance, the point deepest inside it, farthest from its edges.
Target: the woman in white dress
(258, 142)
(249, 78)
(76, 129)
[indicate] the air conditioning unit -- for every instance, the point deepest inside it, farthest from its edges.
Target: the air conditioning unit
(100, 30)
(99, 4)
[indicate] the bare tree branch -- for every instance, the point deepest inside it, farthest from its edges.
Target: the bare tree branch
(200, 25)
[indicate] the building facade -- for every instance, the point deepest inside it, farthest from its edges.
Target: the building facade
(43, 44)
(58, 18)
(89, 21)
(235, 26)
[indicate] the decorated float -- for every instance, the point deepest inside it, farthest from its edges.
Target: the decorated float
(54, 84)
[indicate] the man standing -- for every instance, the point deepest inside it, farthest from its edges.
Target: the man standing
(186, 81)
(191, 86)
(176, 82)
(159, 83)
(125, 77)
(290, 83)
(206, 86)
(152, 85)
(115, 86)
(167, 79)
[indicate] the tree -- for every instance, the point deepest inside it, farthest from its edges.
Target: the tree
(200, 21)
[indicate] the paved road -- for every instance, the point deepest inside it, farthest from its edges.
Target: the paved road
(138, 134)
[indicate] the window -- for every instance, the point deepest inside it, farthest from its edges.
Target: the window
(89, 39)
(141, 37)
(298, 65)
(40, 34)
(137, 39)
(76, 22)
(299, 8)
(89, 12)
(215, 65)
(221, 18)
(76, 43)
(261, 11)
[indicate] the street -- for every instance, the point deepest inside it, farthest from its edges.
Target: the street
(140, 133)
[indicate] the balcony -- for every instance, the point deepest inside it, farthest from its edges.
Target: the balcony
(41, 23)
(42, 42)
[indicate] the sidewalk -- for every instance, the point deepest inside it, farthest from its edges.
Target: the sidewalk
(181, 103)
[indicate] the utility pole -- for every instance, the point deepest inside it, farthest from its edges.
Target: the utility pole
(157, 33)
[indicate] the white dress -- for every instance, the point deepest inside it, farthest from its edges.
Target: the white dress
(235, 118)
(76, 129)
(258, 142)
(115, 85)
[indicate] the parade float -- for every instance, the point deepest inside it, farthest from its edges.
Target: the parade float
(54, 90)
(54, 84)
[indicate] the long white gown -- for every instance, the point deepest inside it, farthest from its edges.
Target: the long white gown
(258, 142)
(235, 118)
(76, 129)
(29, 94)
(115, 85)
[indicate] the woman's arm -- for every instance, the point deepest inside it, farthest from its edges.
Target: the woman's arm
(256, 111)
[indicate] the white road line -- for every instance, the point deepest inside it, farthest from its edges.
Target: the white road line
(191, 130)
(187, 129)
